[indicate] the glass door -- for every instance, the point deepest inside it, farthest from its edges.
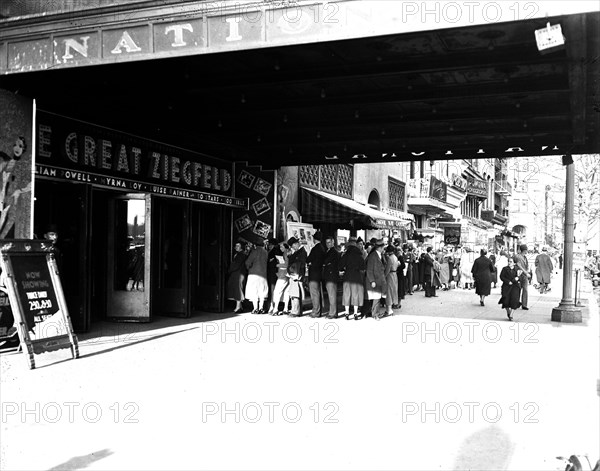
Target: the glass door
(128, 248)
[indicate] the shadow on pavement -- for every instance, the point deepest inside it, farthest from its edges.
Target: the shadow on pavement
(81, 462)
(490, 448)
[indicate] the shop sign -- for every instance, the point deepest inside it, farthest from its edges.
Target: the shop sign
(476, 187)
(452, 235)
(77, 151)
(437, 189)
(487, 215)
(459, 182)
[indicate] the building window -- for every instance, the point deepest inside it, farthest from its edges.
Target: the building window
(332, 178)
(397, 192)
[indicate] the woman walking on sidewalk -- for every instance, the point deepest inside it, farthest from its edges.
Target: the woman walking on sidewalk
(482, 274)
(511, 289)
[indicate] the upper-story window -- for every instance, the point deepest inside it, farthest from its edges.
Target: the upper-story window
(332, 178)
(397, 192)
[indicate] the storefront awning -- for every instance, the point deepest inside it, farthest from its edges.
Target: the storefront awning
(320, 207)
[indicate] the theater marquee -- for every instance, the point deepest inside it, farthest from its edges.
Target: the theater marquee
(73, 150)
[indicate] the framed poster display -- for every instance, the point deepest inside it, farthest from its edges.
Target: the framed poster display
(31, 279)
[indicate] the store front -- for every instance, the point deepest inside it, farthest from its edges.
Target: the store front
(143, 228)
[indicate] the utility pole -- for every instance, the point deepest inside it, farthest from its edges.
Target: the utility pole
(566, 311)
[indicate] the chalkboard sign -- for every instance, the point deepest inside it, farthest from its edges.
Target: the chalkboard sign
(31, 279)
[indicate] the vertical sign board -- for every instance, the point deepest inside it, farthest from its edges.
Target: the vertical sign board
(579, 251)
(31, 279)
(16, 185)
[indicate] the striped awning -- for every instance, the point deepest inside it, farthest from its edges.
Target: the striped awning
(319, 207)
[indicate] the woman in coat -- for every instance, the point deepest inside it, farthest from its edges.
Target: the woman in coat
(466, 261)
(495, 272)
(511, 288)
(482, 274)
(391, 279)
(237, 277)
(352, 270)
(376, 284)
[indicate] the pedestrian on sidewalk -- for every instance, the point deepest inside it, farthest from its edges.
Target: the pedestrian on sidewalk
(428, 264)
(315, 274)
(523, 265)
(467, 258)
(331, 275)
(257, 287)
(296, 273)
(482, 275)
(236, 277)
(376, 284)
(543, 270)
(280, 291)
(511, 289)
(391, 278)
(352, 270)
(495, 272)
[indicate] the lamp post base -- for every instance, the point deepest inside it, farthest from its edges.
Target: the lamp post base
(567, 313)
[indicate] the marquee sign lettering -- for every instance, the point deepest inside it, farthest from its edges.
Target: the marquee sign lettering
(477, 187)
(73, 150)
(168, 29)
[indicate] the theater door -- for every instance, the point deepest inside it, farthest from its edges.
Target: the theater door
(187, 257)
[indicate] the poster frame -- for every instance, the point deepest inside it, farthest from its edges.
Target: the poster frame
(10, 251)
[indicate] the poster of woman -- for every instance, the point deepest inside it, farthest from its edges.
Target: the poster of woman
(16, 166)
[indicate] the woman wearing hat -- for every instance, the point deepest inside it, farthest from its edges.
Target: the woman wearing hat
(236, 277)
(391, 277)
(352, 270)
(376, 284)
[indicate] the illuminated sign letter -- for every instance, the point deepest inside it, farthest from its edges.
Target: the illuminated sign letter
(44, 133)
(71, 150)
(127, 43)
(123, 163)
(80, 48)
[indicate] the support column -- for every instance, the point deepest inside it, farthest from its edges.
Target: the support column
(567, 311)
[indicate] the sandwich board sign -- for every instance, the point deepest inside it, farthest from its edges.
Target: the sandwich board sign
(31, 279)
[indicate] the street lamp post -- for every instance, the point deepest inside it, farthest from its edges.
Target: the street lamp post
(566, 311)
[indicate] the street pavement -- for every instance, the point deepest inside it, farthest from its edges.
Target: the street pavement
(442, 384)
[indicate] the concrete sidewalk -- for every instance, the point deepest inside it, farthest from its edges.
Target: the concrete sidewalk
(444, 384)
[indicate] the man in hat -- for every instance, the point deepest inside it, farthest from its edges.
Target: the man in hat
(257, 287)
(315, 274)
(523, 265)
(543, 270)
(376, 284)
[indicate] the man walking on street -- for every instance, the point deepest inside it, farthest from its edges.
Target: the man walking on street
(523, 265)
(543, 270)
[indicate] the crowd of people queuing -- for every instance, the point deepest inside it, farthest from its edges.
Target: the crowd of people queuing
(374, 276)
